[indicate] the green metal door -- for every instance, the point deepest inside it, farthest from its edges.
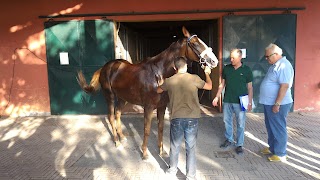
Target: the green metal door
(83, 45)
(254, 33)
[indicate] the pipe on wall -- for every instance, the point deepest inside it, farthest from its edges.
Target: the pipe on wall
(132, 13)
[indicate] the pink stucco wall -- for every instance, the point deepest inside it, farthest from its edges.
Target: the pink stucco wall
(307, 82)
(22, 43)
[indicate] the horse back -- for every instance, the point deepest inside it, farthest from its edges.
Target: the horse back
(134, 83)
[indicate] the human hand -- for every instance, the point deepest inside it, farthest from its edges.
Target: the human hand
(249, 108)
(215, 101)
(207, 70)
(275, 109)
(160, 80)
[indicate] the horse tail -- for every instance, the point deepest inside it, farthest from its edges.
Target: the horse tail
(94, 85)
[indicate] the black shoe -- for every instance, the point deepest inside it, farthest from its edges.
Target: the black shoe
(226, 144)
(239, 150)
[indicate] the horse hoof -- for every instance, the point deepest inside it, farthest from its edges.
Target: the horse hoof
(118, 144)
(161, 152)
(164, 154)
(146, 157)
(124, 139)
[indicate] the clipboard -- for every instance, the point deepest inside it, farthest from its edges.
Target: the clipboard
(244, 102)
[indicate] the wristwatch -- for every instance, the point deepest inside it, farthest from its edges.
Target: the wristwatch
(276, 104)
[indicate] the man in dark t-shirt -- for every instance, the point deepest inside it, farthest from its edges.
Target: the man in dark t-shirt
(237, 81)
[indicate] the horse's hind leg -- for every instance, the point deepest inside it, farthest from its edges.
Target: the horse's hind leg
(110, 101)
(119, 108)
(160, 117)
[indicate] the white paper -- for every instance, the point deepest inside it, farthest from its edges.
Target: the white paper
(64, 59)
(244, 53)
(244, 101)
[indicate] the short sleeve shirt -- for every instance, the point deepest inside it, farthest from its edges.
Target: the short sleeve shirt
(183, 94)
(279, 73)
(236, 81)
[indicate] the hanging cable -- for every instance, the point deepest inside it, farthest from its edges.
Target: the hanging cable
(13, 73)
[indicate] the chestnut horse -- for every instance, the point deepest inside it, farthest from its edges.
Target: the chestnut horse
(124, 82)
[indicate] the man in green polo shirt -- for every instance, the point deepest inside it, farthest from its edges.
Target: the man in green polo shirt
(237, 81)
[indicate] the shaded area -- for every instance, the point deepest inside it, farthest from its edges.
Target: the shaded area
(81, 147)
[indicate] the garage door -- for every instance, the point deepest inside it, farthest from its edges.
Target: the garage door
(72, 46)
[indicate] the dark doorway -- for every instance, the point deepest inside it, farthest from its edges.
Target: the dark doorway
(147, 39)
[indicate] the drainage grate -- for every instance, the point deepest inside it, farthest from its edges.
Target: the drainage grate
(128, 134)
(223, 154)
(294, 133)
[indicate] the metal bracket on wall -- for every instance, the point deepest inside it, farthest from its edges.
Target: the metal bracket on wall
(287, 11)
(105, 18)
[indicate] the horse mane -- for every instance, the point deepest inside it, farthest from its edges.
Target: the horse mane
(158, 56)
(162, 63)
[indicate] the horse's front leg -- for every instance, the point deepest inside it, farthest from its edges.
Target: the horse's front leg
(160, 117)
(119, 108)
(147, 127)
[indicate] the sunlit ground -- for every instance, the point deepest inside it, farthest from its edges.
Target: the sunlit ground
(301, 158)
(81, 147)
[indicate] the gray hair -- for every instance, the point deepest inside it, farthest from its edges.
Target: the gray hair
(274, 49)
(236, 50)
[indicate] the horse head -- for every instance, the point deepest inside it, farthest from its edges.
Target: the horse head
(198, 51)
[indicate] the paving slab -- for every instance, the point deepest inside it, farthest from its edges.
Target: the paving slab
(81, 147)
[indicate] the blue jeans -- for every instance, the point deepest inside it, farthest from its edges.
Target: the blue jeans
(228, 110)
(187, 128)
(276, 124)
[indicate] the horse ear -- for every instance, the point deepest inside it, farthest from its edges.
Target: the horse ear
(185, 32)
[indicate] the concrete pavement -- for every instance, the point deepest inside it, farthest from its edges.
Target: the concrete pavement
(81, 147)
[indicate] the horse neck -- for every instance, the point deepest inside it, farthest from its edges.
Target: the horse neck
(163, 62)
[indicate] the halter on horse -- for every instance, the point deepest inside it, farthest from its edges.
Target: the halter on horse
(124, 82)
(211, 63)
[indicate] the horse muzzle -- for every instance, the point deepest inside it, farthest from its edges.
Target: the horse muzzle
(208, 58)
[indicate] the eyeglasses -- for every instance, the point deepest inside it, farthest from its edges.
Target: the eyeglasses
(267, 57)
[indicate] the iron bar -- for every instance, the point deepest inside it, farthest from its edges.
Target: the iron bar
(133, 13)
